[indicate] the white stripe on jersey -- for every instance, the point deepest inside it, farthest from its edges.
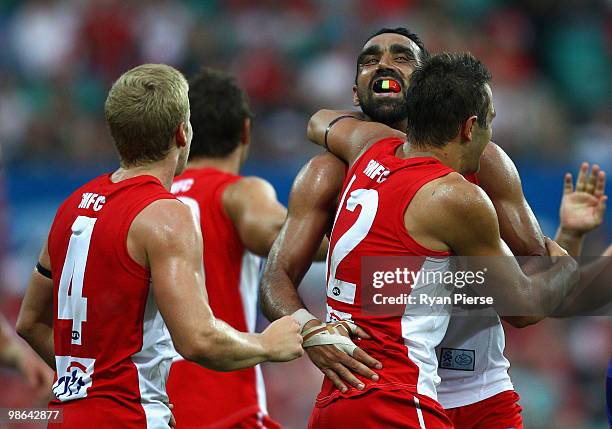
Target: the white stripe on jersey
(424, 326)
(153, 365)
(250, 271)
(478, 331)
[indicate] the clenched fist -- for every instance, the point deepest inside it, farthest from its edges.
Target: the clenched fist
(282, 340)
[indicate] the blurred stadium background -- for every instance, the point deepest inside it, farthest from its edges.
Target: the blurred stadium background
(552, 67)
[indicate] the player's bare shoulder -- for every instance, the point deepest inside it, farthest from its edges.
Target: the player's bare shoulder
(319, 181)
(247, 189)
(448, 206)
(166, 223)
(450, 193)
(497, 174)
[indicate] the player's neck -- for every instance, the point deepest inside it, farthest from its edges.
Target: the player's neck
(449, 155)
(228, 164)
(400, 125)
(163, 170)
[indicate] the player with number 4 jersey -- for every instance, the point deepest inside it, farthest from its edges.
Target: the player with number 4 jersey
(121, 278)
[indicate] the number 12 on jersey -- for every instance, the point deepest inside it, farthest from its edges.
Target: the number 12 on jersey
(71, 305)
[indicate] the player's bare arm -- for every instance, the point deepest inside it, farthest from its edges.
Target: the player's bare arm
(518, 225)
(468, 226)
(35, 322)
(165, 239)
(308, 218)
(258, 216)
(254, 210)
(346, 134)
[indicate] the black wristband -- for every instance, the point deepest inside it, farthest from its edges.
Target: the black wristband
(43, 271)
(331, 124)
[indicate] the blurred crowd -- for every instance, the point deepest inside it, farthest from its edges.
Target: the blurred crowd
(550, 60)
(552, 81)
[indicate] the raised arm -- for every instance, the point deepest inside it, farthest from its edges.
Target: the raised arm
(165, 238)
(346, 133)
(254, 210)
(464, 218)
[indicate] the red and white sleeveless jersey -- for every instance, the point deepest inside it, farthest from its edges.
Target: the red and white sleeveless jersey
(472, 364)
(112, 349)
(202, 397)
(370, 222)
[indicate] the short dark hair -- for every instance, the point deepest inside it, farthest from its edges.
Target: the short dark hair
(218, 110)
(444, 91)
(403, 31)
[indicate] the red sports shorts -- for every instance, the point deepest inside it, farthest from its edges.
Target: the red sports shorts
(501, 411)
(384, 409)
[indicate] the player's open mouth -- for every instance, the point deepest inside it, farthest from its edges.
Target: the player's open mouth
(386, 86)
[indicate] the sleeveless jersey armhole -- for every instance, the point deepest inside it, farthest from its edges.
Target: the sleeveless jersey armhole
(402, 233)
(218, 197)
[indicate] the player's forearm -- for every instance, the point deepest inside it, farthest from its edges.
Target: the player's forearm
(571, 241)
(550, 288)
(517, 295)
(317, 126)
(278, 292)
(223, 348)
(594, 291)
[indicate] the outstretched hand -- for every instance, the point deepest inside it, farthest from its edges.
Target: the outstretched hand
(582, 209)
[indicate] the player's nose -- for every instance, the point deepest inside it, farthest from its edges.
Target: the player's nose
(386, 61)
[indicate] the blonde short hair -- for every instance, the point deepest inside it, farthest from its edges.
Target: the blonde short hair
(143, 110)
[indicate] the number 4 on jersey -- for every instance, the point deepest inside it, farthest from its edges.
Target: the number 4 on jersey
(71, 304)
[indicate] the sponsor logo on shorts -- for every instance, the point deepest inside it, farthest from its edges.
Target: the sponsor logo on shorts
(457, 359)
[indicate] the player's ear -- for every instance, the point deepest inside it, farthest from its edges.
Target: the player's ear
(245, 139)
(180, 136)
(467, 128)
(355, 97)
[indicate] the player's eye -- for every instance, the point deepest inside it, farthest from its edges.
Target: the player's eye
(402, 58)
(370, 61)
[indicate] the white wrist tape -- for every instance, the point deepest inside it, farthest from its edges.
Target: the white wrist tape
(303, 316)
(330, 334)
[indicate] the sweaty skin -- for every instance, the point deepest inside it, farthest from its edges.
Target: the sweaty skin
(310, 215)
(452, 217)
(498, 176)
